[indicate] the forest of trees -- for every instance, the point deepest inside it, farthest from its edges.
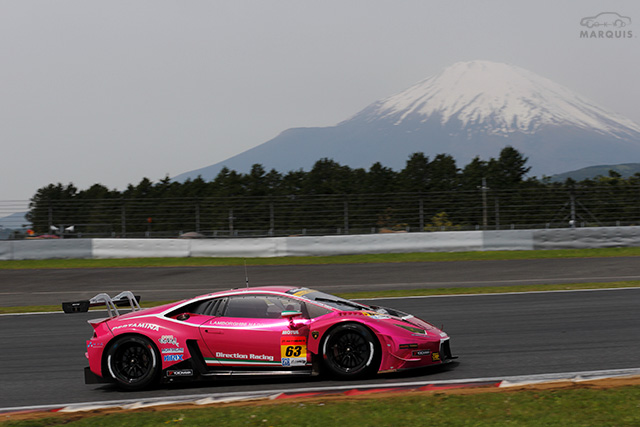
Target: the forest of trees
(426, 194)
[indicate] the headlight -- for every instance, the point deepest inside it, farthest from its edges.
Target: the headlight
(412, 329)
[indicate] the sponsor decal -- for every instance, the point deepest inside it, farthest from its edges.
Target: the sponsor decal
(180, 373)
(173, 358)
(91, 344)
(232, 324)
(435, 357)
(404, 346)
(302, 292)
(293, 350)
(290, 332)
(315, 335)
(172, 350)
(168, 339)
(293, 361)
(242, 356)
(422, 352)
(376, 315)
(149, 326)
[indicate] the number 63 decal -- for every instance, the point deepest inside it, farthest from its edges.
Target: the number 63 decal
(293, 346)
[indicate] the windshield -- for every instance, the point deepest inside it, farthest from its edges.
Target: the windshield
(328, 299)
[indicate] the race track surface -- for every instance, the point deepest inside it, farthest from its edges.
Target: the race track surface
(42, 355)
(43, 287)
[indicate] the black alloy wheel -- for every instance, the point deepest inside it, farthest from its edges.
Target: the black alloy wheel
(133, 362)
(350, 351)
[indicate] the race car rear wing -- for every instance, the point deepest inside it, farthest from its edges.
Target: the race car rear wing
(123, 299)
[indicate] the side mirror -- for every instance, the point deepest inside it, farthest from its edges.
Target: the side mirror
(290, 314)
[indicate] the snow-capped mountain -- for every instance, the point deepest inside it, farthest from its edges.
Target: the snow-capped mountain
(470, 109)
(497, 99)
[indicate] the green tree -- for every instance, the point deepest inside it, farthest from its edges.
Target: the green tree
(327, 177)
(415, 177)
(50, 206)
(472, 174)
(444, 173)
(508, 170)
(380, 179)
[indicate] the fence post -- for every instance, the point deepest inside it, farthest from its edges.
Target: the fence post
(197, 216)
(123, 220)
(346, 217)
(484, 189)
(50, 217)
(272, 220)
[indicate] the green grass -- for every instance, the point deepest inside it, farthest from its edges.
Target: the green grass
(396, 293)
(583, 407)
(344, 259)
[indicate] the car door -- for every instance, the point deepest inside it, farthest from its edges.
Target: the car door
(250, 333)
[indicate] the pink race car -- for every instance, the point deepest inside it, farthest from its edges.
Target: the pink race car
(254, 331)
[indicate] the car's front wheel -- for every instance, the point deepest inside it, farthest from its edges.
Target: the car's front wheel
(351, 350)
(133, 362)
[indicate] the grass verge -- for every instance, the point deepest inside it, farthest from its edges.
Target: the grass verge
(344, 259)
(397, 293)
(574, 406)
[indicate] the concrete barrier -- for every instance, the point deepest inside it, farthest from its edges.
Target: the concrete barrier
(583, 238)
(6, 250)
(249, 247)
(445, 241)
(52, 249)
(507, 240)
(140, 248)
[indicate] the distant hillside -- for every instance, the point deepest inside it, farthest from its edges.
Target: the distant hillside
(470, 109)
(15, 221)
(626, 170)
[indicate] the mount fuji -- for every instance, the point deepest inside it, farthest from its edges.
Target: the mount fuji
(470, 109)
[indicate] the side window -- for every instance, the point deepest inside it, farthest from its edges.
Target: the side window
(209, 307)
(316, 311)
(261, 306)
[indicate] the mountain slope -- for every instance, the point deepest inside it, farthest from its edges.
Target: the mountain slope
(469, 109)
(625, 170)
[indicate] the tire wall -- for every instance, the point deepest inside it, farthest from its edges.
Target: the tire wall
(446, 241)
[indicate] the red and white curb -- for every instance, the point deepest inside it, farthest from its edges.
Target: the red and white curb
(347, 390)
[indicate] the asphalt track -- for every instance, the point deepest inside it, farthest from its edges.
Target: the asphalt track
(42, 356)
(42, 287)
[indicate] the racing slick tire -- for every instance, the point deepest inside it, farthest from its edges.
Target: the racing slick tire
(133, 362)
(351, 350)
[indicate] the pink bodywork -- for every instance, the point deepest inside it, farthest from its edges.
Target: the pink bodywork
(263, 343)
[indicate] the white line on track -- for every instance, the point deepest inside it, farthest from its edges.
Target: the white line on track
(544, 280)
(502, 293)
(406, 297)
(576, 376)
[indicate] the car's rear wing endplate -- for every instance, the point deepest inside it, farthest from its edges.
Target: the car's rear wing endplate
(123, 299)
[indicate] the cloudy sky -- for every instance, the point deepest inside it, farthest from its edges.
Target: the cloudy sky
(113, 91)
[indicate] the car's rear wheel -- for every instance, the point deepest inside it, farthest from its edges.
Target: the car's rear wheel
(133, 362)
(351, 350)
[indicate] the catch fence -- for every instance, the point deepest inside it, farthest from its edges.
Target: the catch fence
(484, 209)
